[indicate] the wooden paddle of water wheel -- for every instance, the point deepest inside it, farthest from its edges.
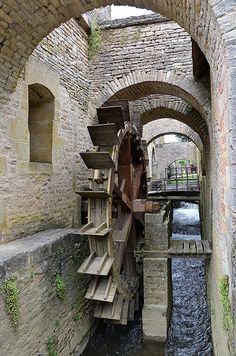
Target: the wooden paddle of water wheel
(119, 178)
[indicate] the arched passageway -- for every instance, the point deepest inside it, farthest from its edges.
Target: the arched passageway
(166, 149)
(24, 25)
(159, 127)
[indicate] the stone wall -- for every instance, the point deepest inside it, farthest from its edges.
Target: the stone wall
(43, 314)
(98, 16)
(132, 44)
(211, 24)
(38, 196)
(167, 153)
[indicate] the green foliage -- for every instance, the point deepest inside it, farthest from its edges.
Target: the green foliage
(77, 317)
(94, 40)
(51, 345)
(224, 298)
(59, 286)
(137, 34)
(32, 274)
(183, 163)
(12, 304)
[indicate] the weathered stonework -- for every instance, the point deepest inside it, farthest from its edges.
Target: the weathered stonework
(153, 107)
(167, 153)
(44, 193)
(157, 279)
(34, 262)
(158, 128)
(211, 23)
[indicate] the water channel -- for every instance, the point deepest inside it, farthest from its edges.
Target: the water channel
(190, 330)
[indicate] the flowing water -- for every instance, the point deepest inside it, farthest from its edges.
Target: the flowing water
(190, 331)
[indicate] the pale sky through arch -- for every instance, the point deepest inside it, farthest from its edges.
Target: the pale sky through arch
(119, 12)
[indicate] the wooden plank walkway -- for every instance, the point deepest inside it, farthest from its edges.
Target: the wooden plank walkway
(180, 249)
(190, 248)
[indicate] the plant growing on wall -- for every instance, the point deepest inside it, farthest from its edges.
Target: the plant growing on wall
(12, 304)
(224, 298)
(137, 34)
(51, 345)
(94, 40)
(59, 286)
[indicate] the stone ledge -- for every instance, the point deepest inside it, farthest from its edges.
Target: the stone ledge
(134, 21)
(15, 256)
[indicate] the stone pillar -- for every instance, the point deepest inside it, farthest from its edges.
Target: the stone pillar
(157, 278)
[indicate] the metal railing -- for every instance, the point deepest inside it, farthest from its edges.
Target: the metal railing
(180, 179)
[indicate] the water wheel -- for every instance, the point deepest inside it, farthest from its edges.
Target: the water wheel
(119, 177)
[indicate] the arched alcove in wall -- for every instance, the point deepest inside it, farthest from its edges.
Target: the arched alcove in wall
(40, 120)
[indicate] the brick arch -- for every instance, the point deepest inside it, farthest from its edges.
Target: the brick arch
(24, 24)
(161, 127)
(138, 84)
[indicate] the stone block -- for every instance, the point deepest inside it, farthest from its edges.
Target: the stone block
(155, 326)
(156, 232)
(3, 166)
(3, 215)
(22, 151)
(19, 130)
(34, 261)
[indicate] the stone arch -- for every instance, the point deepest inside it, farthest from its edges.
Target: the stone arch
(24, 25)
(191, 120)
(166, 153)
(161, 127)
(164, 106)
(140, 84)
